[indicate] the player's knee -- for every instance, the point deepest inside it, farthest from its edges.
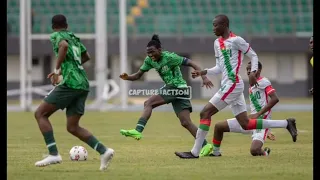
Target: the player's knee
(147, 103)
(38, 114)
(72, 129)
(255, 151)
(185, 122)
(204, 114)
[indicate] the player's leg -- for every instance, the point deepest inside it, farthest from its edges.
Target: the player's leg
(52, 102)
(214, 106)
(153, 102)
(183, 108)
(258, 139)
(250, 124)
(74, 112)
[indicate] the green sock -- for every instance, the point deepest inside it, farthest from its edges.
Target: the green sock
(141, 124)
(50, 142)
(96, 145)
(204, 143)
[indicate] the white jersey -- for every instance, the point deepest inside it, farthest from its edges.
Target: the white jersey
(259, 96)
(229, 56)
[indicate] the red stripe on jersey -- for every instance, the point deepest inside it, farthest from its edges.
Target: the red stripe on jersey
(238, 66)
(265, 134)
(269, 89)
(228, 92)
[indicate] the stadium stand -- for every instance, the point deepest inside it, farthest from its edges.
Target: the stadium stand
(171, 17)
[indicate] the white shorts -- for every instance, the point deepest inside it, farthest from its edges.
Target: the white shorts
(260, 134)
(230, 94)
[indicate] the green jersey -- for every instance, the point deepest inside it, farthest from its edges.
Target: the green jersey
(168, 68)
(74, 76)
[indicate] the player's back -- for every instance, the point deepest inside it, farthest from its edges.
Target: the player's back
(258, 96)
(229, 54)
(74, 75)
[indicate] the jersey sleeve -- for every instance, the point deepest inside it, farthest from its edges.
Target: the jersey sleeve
(175, 60)
(146, 65)
(266, 84)
(56, 39)
(83, 48)
(242, 45)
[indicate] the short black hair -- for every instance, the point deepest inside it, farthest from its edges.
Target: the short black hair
(59, 21)
(259, 64)
(155, 41)
(224, 18)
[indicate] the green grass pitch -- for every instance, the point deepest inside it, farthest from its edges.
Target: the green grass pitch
(152, 158)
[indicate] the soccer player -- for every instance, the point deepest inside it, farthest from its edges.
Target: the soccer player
(311, 60)
(229, 50)
(260, 106)
(71, 93)
(167, 64)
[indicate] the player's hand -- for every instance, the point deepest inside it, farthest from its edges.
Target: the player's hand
(254, 116)
(271, 136)
(207, 83)
(253, 80)
(54, 78)
(195, 73)
(124, 76)
(311, 91)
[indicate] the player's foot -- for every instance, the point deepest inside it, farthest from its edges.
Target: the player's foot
(186, 155)
(206, 150)
(50, 159)
(267, 151)
(131, 133)
(106, 159)
(291, 127)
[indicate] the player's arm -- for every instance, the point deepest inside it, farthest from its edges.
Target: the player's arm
(272, 102)
(132, 77)
(62, 53)
(190, 63)
(216, 70)
(245, 47)
(135, 76)
(85, 56)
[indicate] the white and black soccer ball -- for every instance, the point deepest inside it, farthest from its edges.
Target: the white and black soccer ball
(78, 153)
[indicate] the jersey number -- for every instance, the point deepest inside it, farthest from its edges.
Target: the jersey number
(257, 95)
(77, 55)
(230, 52)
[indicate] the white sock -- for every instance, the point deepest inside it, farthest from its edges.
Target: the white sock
(201, 135)
(274, 123)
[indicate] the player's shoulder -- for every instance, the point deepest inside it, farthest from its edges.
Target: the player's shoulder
(168, 54)
(264, 82)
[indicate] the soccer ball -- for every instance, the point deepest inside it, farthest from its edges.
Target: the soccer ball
(78, 153)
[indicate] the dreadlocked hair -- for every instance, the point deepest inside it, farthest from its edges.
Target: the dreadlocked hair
(155, 41)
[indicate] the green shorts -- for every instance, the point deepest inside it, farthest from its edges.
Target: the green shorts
(71, 99)
(178, 104)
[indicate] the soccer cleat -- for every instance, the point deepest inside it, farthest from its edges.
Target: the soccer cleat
(50, 159)
(267, 151)
(131, 133)
(291, 127)
(206, 150)
(106, 159)
(186, 155)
